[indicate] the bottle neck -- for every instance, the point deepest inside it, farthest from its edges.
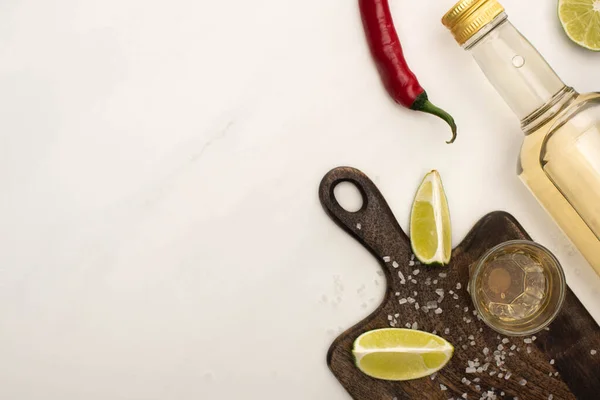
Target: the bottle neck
(517, 71)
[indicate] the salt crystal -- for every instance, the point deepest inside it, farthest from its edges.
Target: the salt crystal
(425, 309)
(474, 312)
(415, 294)
(500, 347)
(390, 317)
(502, 393)
(550, 397)
(432, 305)
(387, 258)
(528, 350)
(466, 309)
(455, 297)
(514, 346)
(470, 370)
(442, 387)
(413, 281)
(464, 395)
(416, 306)
(473, 343)
(476, 380)
(533, 338)
(408, 325)
(464, 346)
(527, 340)
(402, 301)
(552, 362)
(500, 375)
(468, 320)
(358, 226)
(446, 331)
(411, 263)
(480, 369)
(410, 300)
(593, 352)
(458, 285)
(439, 292)
(480, 329)
(486, 351)
(415, 325)
(400, 275)
(511, 353)
(438, 310)
(523, 382)
(465, 380)
(416, 272)
(443, 275)
(505, 340)
(434, 332)
(471, 363)
(507, 376)
(396, 315)
(433, 375)
(556, 374)
(471, 337)
(477, 388)
(435, 281)
(492, 373)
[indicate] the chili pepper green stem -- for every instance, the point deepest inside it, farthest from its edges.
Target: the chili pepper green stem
(423, 104)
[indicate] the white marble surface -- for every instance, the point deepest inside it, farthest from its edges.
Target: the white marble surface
(159, 161)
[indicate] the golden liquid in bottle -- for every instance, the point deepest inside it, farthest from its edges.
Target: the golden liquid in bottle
(560, 164)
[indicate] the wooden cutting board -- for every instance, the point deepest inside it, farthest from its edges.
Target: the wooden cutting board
(574, 373)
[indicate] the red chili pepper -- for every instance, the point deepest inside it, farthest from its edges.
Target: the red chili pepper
(399, 80)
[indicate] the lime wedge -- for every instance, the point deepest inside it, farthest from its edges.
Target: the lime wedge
(430, 229)
(581, 21)
(400, 354)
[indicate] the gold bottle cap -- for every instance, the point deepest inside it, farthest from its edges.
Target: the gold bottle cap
(467, 17)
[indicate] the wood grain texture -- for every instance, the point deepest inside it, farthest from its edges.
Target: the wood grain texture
(575, 373)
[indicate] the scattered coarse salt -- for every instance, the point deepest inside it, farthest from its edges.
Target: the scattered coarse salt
(471, 363)
(442, 387)
(401, 275)
(552, 362)
(466, 309)
(502, 393)
(415, 294)
(549, 373)
(424, 309)
(533, 338)
(390, 317)
(523, 382)
(479, 369)
(395, 264)
(434, 332)
(417, 306)
(358, 226)
(471, 337)
(468, 320)
(480, 329)
(416, 272)
(593, 352)
(465, 381)
(413, 281)
(435, 281)
(472, 343)
(477, 388)
(396, 315)
(527, 340)
(474, 312)
(505, 340)
(443, 275)
(438, 310)
(556, 374)
(415, 325)
(500, 347)
(410, 300)
(457, 306)
(550, 397)
(500, 375)
(433, 375)
(464, 346)
(408, 325)
(455, 296)
(464, 395)
(508, 375)
(486, 351)
(492, 373)
(411, 263)
(528, 349)
(458, 286)
(470, 370)
(402, 301)
(510, 353)
(514, 346)
(476, 380)
(439, 292)
(446, 331)
(387, 259)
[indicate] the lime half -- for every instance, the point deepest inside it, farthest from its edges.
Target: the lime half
(430, 229)
(400, 354)
(581, 21)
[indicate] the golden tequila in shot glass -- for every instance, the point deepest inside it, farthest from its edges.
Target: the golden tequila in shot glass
(517, 287)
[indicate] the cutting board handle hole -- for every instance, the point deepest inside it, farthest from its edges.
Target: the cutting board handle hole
(349, 197)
